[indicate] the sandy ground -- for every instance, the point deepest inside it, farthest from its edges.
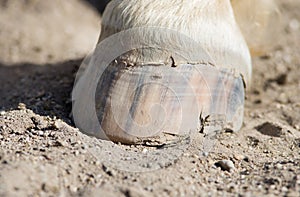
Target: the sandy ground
(43, 154)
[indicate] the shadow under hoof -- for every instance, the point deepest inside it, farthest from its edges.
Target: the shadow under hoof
(45, 89)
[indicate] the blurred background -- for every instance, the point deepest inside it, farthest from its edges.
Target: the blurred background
(38, 31)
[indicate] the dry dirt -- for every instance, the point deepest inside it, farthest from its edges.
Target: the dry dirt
(43, 154)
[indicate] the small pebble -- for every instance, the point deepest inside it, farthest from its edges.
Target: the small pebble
(284, 189)
(294, 24)
(41, 133)
(73, 189)
(282, 98)
(239, 157)
(186, 154)
(279, 166)
(57, 124)
(145, 150)
(22, 106)
(195, 156)
(62, 143)
(259, 186)
(76, 153)
(34, 132)
(287, 59)
(226, 165)
(98, 163)
(52, 134)
(2, 113)
(272, 187)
